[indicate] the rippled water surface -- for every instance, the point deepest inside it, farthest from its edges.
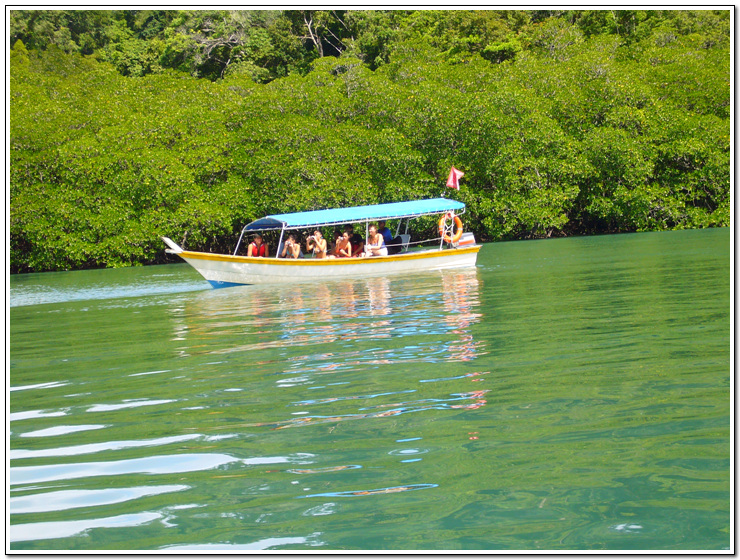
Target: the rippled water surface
(565, 394)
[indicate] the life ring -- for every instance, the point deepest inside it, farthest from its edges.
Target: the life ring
(443, 222)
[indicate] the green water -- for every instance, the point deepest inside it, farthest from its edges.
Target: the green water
(566, 394)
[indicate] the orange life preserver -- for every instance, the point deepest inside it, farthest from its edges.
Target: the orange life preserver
(441, 227)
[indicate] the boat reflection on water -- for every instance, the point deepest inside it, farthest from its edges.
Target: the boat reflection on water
(439, 307)
(373, 492)
(460, 303)
(380, 334)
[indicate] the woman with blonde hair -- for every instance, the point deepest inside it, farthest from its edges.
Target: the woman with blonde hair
(375, 245)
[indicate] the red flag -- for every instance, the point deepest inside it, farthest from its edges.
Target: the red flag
(452, 180)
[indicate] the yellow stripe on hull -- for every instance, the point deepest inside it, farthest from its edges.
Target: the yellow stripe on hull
(325, 262)
(230, 269)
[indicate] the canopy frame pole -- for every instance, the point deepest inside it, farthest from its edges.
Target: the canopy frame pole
(280, 243)
(240, 240)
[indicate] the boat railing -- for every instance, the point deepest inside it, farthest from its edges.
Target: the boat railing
(407, 244)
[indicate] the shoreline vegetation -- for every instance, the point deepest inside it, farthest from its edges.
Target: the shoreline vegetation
(129, 125)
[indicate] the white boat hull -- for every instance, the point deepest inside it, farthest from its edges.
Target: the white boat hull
(229, 270)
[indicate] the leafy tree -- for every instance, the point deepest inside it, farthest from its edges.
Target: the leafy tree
(565, 122)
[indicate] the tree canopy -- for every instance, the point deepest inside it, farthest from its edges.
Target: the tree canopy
(126, 125)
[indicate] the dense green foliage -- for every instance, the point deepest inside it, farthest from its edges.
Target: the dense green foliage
(128, 125)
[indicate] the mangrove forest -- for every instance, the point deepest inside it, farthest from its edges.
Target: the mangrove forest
(129, 125)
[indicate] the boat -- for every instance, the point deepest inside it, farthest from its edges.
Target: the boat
(452, 249)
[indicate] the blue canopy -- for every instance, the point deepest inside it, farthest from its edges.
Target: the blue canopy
(375, 212)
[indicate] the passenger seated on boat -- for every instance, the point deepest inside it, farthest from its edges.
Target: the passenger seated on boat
(280, 249)
(257, 248)
(343, 248)
(358, 245)
(393, 244)
(385, 232)
(375, 246)
(291, 248)
(333, 249)
(316, 244)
